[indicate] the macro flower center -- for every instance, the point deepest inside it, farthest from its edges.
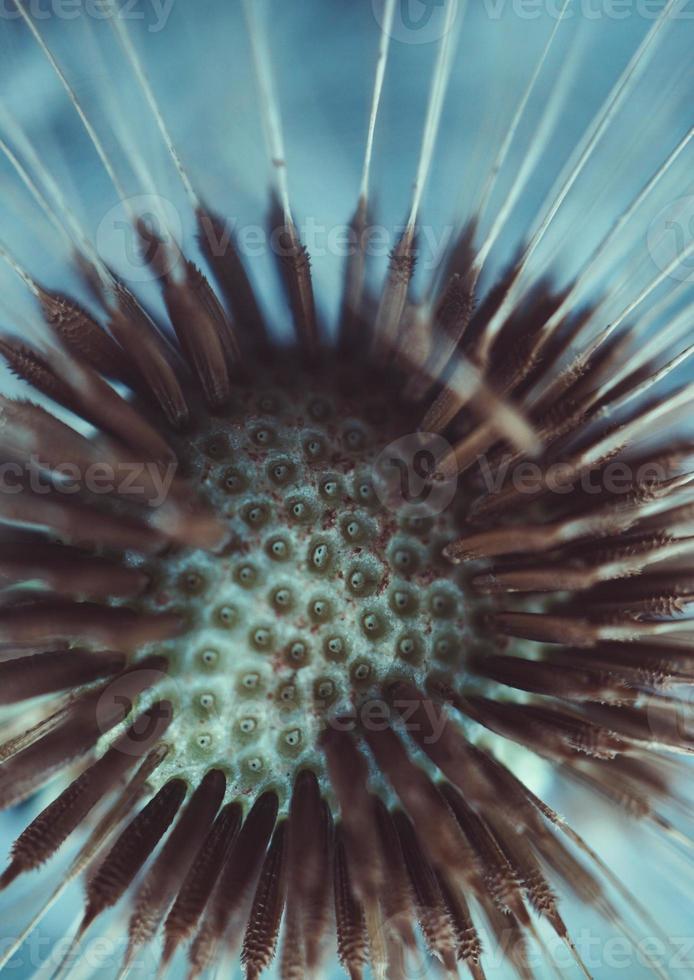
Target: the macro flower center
(324, 591)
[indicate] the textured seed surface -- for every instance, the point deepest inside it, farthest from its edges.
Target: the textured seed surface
(322, 593)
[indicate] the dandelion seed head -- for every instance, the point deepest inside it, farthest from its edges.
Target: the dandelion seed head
(406, 538)
(322, 594)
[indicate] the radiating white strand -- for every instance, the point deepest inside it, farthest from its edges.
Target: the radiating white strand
(469, 383)
(393, 297)
(131, 54)
(653, 380)
(665, 273)
(496, 167)
(596, 130)
(91, 132)
(652, 314)
(617, 293)
(536, 150)
(381, 64)
(15, 265)
(60, 207)
(127, 142)
(440, 356)
(70, 230)
(35, 191)
(671, 334)
(355, 270)
(599, 252)
(548, 391)
(437, 96)
(638, 428)
(86, 852)
(622, 162)
(269, 106)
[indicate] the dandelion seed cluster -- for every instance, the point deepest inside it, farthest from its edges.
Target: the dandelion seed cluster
(276, 711)
(322, 594)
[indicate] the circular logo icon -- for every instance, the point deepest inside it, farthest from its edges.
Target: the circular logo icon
(118, 701)
(138, 256)
(409, 475)
(415, 21)
(672, 723)
(671, 237)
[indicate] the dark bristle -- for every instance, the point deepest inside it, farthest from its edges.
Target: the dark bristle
(82, 335)
(45, 673)
(234, 887)
(352, 937)
(169, 870)
(218, 245)
(394, 295)
(79, 523)
(136, 333)
(305, 869)
(316, 916)
(469, 944)
(499, 876)
(99, 403)
(432, 912)
(260, 940)
(563, 681)
(197, 317)
(295, 269)
(423, 802)
(349, 776)
(396, 893)
(132, 850)
(201, 879)
(28, 364)
(86, 719)
(53, 826)
(36, 625)
(69, 572)
(245, 857)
